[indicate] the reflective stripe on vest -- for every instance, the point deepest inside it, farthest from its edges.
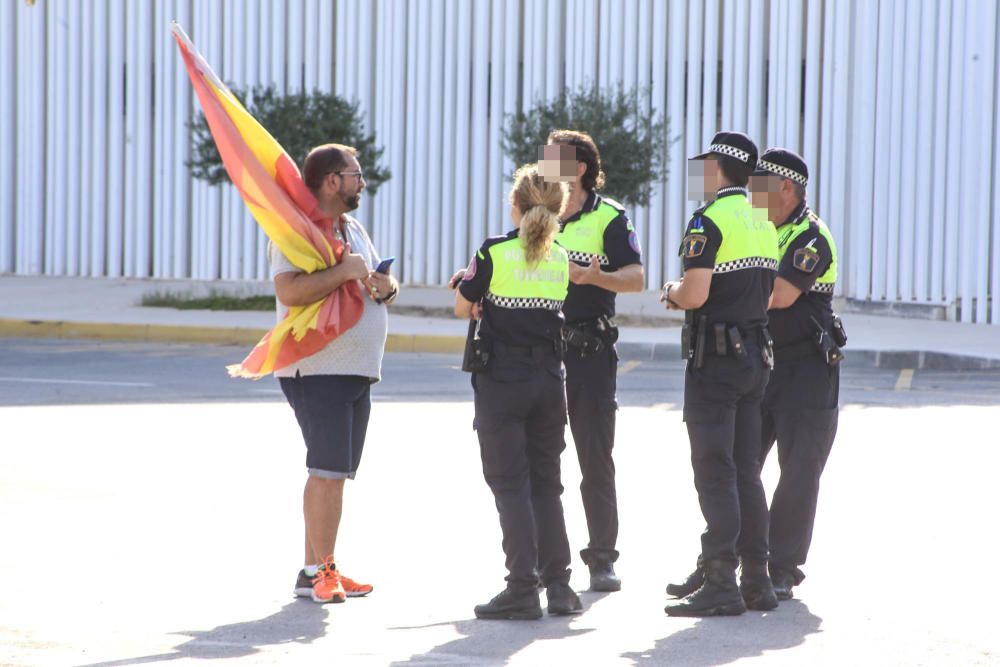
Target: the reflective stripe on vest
(584, 237)
(747, 243)
(825, 283)
(514, 284)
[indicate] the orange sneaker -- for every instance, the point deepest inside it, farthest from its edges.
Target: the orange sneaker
(355, 590)
(327, 584)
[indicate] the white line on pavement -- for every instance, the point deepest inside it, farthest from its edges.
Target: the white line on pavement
(107, 383)
(628, 367)
(904, 380)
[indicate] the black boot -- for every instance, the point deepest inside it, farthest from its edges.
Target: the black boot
(718, 596)
(602, 570)
(783, 581)
(691, 584)
(562, 600)
(755, 586)
(511, 606)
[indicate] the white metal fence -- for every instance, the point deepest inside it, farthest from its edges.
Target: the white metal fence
(892, 103)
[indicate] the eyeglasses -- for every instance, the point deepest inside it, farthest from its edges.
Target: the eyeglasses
(360, 174)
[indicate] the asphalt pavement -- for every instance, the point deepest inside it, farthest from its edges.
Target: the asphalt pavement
(151, 513)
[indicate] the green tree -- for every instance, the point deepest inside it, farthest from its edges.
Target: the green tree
(298, 121)
(632, 140)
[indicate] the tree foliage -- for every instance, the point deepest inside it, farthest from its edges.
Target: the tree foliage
(632, 140)
(299, 122)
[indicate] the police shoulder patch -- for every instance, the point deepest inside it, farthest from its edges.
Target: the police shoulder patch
(805, 259)
(693, 245)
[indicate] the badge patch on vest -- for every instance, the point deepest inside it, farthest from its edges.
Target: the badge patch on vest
(805, 259)
(694, 245)
(633, 242)
(470, 272)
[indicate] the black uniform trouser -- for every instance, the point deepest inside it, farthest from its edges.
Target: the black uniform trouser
(722, 411)
(591, 383)
(521, 421)
(800, 411)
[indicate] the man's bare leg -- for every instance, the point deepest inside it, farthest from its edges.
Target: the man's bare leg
(322, 505)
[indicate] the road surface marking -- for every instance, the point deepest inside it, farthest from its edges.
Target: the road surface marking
(628, 367)
(106, 383)
(905, 379)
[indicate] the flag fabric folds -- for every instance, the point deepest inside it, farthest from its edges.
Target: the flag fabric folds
(272, 188)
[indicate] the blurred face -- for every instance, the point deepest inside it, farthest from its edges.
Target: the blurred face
(557, 163)
(771, 192)
(704, 179)
(347, 183)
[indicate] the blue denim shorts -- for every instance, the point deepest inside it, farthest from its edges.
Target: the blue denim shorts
(332, 411)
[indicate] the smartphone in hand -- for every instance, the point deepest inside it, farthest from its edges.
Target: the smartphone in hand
(383, 266)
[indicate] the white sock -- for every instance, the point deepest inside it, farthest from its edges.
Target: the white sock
(311, 570)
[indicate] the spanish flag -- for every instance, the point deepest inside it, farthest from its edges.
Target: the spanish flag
(272, 188)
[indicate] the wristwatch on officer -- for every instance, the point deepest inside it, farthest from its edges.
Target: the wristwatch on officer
(666, 294)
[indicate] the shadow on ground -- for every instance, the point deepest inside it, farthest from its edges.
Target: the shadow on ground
(490, 642)
(298, 622)
(720, 641)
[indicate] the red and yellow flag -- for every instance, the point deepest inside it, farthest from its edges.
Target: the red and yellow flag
(272, 188)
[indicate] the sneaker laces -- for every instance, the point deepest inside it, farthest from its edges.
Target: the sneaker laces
(326, 571)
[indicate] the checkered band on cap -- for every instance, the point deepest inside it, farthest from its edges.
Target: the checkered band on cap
(783, 171)
(517, 302)
(584, 257)
(731, 151)
(747, 263)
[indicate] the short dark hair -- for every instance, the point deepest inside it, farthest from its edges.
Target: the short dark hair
(322, 160)
(586, 152)
(736, 171)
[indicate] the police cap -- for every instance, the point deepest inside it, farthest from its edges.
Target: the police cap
(785, 163)
(732, 144)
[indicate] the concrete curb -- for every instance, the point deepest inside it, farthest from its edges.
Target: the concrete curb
(162, 333)
(445, 344)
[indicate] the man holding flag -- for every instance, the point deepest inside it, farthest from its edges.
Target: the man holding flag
(329, 390)
(326, 348)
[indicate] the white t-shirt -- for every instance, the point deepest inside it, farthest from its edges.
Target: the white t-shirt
(357, 351)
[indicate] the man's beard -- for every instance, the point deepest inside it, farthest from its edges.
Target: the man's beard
(352, 202)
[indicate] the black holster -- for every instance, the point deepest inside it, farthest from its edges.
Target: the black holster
(826, 344)
(478, 351)
(591, 336)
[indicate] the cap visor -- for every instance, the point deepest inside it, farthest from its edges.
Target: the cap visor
(702, 156)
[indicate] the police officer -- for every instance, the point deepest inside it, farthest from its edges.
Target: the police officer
(521, 280)
(730, 258)
(801, 401)
(605, 259)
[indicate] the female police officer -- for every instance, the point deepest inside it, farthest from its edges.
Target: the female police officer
(730, 260)
(521, 280)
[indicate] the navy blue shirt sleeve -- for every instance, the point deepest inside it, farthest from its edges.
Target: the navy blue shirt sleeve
(807, 258)
(621, 243)
(702, 240)
(476, 281)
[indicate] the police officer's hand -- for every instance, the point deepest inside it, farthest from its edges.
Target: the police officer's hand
(665, 298)
(456, 279)
(585, 275)
(352, 265)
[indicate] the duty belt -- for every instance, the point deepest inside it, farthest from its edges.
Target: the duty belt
(590, 336)
(700, 338)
